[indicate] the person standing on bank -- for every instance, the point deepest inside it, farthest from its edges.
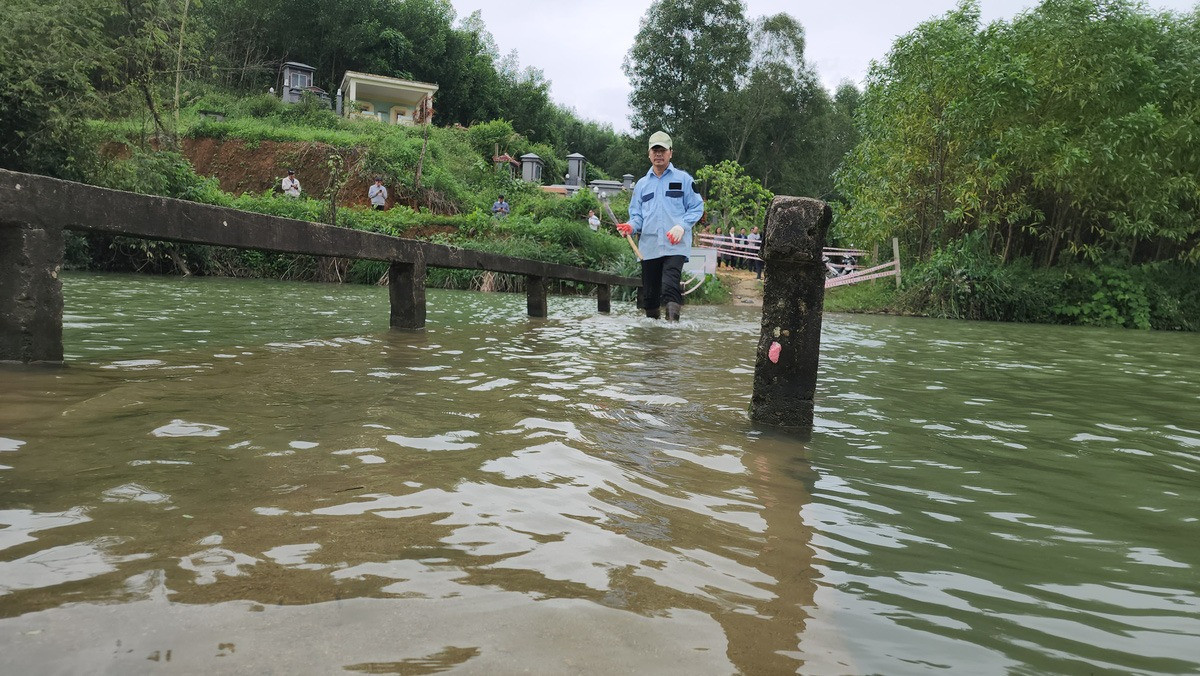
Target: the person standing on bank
(378, 195)
(663, 208)
(500, 208)
(290, 186)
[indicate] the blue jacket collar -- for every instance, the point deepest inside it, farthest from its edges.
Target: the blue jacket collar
(670, 168)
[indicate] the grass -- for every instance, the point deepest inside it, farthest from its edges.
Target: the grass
(876, 296)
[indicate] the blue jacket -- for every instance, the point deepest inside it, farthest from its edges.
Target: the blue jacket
(659, 204)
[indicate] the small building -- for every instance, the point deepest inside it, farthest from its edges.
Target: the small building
(506, 163)
(605, 188)
(298, 79)
(387, 99)
(576, 170)
(531, 168)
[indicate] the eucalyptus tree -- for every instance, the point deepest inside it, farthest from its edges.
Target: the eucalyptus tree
(687, 56)
(769, 120)
(916, 103)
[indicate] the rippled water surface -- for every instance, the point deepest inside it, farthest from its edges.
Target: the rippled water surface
(238, 476)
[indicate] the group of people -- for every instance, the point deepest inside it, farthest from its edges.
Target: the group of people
(377, 193)
(736, 247)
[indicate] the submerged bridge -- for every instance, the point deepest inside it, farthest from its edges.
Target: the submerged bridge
(36, 210)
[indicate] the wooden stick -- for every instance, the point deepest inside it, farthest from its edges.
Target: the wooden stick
(628, 238)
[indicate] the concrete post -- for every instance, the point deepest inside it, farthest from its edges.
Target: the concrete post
(531, 168)
(576, 169)
(603, 299)
(406, 287)
(535, 296)
(785, 371)
(31, 300)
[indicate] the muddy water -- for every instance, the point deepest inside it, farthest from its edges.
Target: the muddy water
(250, 476)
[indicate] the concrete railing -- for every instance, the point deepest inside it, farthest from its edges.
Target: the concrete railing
(35, 210)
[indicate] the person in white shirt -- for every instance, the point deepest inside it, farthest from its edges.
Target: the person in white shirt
(378, 195)
(291, 186)
(593, 220)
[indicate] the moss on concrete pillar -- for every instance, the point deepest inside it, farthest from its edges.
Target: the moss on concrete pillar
(603, 298)
(535, 292)
(785, 370)
(406, 288)
(31, 300)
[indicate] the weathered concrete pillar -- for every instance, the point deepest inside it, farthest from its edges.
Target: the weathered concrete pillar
(535, 295)
(603, 298)
(31, 300)
(785, 372)
(406, 287)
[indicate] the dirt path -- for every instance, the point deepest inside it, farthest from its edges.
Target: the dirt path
(747, 290)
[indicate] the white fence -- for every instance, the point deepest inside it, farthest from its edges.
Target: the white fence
(841, 265)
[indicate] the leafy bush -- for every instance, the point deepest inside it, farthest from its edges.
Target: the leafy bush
(1163, 295)
(260, 105)
(964, 280)
(1173, 289)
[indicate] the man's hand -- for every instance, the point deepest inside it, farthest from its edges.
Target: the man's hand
(675, 234)
(625, 229)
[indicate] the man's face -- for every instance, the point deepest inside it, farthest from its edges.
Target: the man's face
(660, 157)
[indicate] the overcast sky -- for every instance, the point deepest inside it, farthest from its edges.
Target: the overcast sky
(581, 44)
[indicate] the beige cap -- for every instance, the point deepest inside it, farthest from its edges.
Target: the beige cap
(660, 138)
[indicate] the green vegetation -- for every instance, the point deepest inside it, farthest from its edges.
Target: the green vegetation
(1071, 134)
(1039, 169)
(728, 87)
(1042, 169)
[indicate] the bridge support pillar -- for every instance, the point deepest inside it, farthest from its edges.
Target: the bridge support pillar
(603, 298)
(535, 295)
(785, 370)
(406, 287)
(31, 300)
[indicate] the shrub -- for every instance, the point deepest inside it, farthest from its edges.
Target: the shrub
(260, 105)
(964, 280)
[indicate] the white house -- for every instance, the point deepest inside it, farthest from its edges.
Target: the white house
(387, 99)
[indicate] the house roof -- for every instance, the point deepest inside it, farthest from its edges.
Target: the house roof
(383, 88)
(297, 64)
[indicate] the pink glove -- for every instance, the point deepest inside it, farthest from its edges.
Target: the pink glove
(625, 229)
(675, 234)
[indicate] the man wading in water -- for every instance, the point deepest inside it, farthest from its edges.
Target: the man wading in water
(663, 209)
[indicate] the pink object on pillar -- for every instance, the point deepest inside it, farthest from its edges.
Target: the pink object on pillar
(773, 353)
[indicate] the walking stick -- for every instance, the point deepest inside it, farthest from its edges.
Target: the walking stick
(628, 238)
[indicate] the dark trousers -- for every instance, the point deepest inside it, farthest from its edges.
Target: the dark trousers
(660, 281)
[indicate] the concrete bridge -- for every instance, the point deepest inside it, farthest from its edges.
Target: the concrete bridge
(35, 211)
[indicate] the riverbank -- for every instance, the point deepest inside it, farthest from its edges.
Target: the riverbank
(744, 287)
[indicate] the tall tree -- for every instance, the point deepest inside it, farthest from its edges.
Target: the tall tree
(49, 51)
(687, 55)
(1071, 132)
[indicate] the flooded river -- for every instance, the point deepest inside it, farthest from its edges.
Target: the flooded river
(256, 477)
